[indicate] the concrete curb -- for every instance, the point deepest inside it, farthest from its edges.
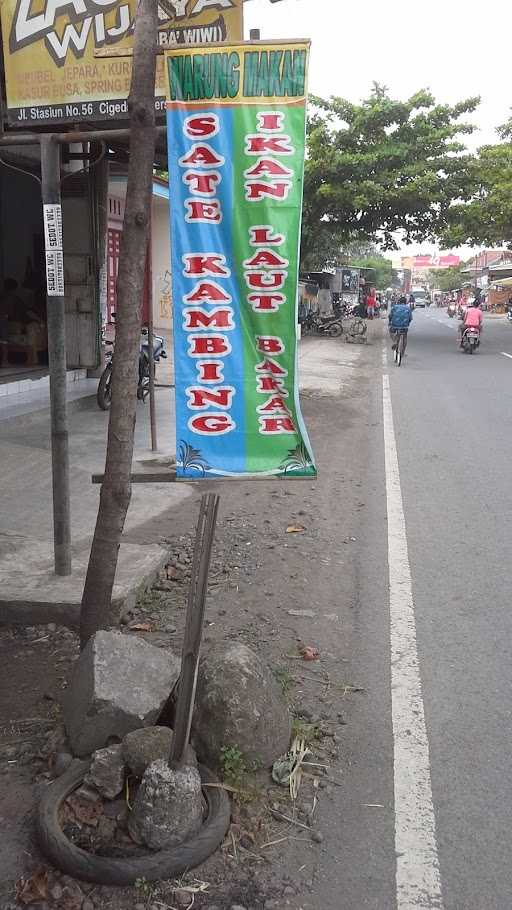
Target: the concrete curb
(41, 597)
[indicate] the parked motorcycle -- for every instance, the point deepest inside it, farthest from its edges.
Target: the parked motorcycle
(452, 309)
(104, 393)
(348, 310)
(328, 325)
(509, 315)
(470, 340)
(308, 323)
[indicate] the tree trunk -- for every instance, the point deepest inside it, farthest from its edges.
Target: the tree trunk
(115, 496)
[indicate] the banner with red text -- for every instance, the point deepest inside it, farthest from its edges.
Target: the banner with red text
(236, 137)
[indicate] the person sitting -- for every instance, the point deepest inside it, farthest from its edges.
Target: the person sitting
(399, 320)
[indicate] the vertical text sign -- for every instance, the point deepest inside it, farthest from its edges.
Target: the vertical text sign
(52, 218)
(236, 136)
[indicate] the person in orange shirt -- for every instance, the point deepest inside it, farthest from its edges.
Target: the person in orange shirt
(473, 319)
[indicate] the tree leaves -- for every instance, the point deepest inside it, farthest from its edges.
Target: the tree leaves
(379, 167)
(486, 217)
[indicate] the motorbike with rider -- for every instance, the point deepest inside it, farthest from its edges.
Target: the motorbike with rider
(470, 328)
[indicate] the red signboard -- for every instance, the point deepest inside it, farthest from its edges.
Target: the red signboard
(436, 262)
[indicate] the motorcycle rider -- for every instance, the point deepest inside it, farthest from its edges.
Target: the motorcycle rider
(473, 318)
(399, 319)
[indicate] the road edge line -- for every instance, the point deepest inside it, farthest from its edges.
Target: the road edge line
(418, 880)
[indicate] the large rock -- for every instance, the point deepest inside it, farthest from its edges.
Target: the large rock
(168, 807)
(143, 747)
(119, 683)
(107, 771)
(239, 704)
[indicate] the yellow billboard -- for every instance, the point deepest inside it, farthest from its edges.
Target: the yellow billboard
(52, 74)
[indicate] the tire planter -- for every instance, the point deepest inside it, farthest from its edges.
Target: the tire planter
(104, 870)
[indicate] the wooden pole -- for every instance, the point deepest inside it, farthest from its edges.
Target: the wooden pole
(151, 336)
(194, 627)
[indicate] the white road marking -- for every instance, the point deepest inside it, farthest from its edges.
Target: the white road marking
(418, 881)
(506, 355)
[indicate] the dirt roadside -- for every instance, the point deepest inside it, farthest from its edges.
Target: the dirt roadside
(262, 577)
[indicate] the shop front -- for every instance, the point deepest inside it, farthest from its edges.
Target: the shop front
(23, 300)
(23, 337)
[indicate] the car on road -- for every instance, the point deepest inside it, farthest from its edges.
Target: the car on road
(421, 297)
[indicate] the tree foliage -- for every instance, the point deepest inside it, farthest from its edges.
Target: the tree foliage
(321, 248)
(381, 167)
(379, 264)
(487, 217)
(446, 279)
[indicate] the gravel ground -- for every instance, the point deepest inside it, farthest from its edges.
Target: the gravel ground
(271, 588)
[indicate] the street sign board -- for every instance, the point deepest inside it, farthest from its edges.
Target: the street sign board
(236, 137)
(52, 74)
(55, 273)
(52, 220)
(52, 217)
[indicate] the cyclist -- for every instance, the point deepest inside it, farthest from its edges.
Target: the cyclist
(399, 319)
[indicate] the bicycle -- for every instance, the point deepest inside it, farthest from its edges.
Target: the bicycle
(356, 330)
(400, 344)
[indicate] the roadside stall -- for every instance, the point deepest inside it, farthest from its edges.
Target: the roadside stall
(499, 294)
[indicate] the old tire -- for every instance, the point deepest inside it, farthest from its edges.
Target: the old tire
(104, 870)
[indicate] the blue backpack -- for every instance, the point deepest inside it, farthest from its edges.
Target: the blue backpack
(400, 316)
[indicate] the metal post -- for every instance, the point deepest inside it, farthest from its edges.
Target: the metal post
(56, 320)
(149, 276)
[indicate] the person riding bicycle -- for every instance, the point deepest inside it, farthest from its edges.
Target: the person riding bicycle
(399, 319)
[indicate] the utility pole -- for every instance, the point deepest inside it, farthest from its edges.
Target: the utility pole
(56, 321)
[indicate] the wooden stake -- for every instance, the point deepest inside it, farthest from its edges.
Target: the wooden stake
(194, 626)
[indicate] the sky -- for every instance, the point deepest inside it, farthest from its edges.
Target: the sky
(455, 48)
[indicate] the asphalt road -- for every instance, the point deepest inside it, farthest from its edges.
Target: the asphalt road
(453, 427)
(424, 817)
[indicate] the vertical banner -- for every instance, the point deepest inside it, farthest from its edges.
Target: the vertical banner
(236, 139)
